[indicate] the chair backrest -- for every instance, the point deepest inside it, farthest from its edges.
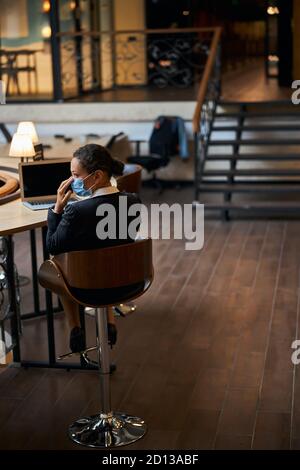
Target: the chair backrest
(107, 268)
(130, 180)
(164, 137)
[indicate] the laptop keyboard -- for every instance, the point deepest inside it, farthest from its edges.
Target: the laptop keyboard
(41, 205)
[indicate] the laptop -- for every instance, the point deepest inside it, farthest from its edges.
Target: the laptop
(39, 181)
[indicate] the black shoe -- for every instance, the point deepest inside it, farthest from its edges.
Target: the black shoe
(112, 334)
(77, 340)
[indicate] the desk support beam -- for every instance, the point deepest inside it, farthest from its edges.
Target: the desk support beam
(49, 308)
(12, 298)
(5, 132)
(35, 285)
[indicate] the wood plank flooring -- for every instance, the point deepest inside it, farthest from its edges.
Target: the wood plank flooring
(205, 360)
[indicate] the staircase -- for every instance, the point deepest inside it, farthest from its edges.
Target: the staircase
(251, 159)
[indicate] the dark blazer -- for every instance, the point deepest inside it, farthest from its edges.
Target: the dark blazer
(75, 228)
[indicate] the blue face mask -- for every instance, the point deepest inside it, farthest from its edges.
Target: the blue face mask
(77, 186)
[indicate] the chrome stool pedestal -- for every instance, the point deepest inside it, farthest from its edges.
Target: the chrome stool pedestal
(108, 428)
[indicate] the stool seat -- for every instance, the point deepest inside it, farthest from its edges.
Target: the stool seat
(96, 297)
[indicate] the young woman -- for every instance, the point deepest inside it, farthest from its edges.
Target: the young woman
(72, 227)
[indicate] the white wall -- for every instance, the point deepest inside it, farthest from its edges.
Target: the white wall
(77, 119)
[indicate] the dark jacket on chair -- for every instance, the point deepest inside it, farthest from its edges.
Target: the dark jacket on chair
(75, 228)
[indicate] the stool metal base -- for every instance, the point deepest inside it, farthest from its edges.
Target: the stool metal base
(107, 430)
(123, 310)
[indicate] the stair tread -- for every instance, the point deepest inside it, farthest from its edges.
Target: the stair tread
(255, 142)
(254, 156)
(275, 205)
(253, 171)
(267, 128)
(270, 103)
(255, 187)
(270, 115)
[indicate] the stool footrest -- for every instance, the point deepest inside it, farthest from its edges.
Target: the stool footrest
(107, 430)
(81, 353)
(84, 356)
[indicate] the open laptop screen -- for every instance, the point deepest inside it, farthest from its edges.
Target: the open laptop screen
(44, 179)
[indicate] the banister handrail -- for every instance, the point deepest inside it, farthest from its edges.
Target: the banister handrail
(208, 69)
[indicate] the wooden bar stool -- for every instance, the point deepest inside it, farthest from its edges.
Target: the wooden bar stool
(130, 182)
(101, 278)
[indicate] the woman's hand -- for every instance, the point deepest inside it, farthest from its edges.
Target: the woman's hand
(63, 195)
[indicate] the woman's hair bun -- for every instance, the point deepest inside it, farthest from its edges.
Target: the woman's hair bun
(95, 157)
(117, 167)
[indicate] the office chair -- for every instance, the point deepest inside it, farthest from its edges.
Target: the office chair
(164, 143)
(130, 180)
(100, 278)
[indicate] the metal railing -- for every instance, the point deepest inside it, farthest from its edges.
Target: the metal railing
(208, 95)
(159, 57)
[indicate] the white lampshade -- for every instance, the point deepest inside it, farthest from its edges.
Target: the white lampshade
(28, 128)
(21, 146)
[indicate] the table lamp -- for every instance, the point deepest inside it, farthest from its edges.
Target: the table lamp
(21, 147)
(28, 128)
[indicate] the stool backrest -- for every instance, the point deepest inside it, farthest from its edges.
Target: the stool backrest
(130, 180)
(105, 268)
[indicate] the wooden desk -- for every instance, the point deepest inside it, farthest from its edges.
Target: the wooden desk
(60, 149)
(16, 218)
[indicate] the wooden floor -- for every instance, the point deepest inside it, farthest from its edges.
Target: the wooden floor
(247, 82)
(205, 360)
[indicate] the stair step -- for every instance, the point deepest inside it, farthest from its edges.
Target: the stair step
(255, 142)
(252, 172)
(249, 188)
(246, 115)
(290, 206)
(272, 103)
(254, 156)
(256, 128)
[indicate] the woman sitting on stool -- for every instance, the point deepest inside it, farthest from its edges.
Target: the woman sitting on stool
(72, 227)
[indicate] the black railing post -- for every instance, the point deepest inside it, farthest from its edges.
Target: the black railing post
(78, 47)
(55, 51)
